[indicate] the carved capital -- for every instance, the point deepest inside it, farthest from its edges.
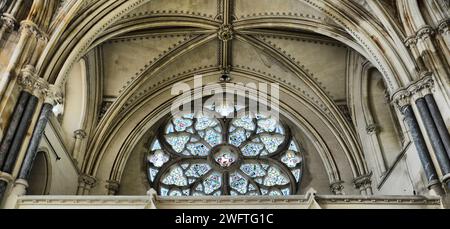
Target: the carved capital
(40, 87)
(425, 32)
(27, 78)
(410, 41)
(225, 33)
(416, 90)
(363, 182)
(443, 27)
(79, 134)
(372, 129)
(423, 86)
(402, 98)
(337, 188)
(9, 21)
(31, 83)
(112, 186)
(87, 180)
(31, 28)
(53, 95)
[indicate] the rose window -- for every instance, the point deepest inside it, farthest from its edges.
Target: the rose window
(208, 154)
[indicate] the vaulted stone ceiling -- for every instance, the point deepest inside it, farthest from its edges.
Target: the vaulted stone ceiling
(165, 39)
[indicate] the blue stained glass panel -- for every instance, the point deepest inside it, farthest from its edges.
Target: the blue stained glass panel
(252, 149)
(205, 122)
(253, 170)
(212, 183)
(197, 170)
(198, 149)
(178, 142)
(175, 177)
(182, 124)
(272, 142)
(245, 122)
(238, 137)
(238, 183)
(275, 177)
(213, 138)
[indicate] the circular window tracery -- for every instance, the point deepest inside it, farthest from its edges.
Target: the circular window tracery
(200, 154)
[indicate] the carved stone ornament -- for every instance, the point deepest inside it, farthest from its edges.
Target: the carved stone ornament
(87, 180)
(416, 90)
(54, 95)
(425, 33)
(80, 134)
(112, 186)
(225, 33)
(372, 129)
(9, 21)
(364, 181)
(443, 26)
(337, 188)
(31, 28)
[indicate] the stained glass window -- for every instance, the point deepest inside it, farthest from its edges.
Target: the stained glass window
(198, 155)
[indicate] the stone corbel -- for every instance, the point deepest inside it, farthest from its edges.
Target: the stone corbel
(79, 134)
(337, 188)
(113, 187)
(85, 183)
(372, 129)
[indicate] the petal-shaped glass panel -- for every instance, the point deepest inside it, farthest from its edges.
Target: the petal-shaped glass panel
(291, 159)
(175, 177)
(252, 149)
(197, 149)
(238, 183)
(237, 137)
(178, 141)
(212, 183)
(158, 158)
(271, 141)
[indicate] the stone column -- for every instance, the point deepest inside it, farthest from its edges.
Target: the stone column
(14, 123)
(17, 142)
(364, 184)
(20, 135)
(80, 135)
(424, 155)
(26, 30)
(435, 139)
(439, 121)
(32, 150)
(21, 184)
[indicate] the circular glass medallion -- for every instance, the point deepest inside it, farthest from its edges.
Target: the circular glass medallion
(225, 156)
